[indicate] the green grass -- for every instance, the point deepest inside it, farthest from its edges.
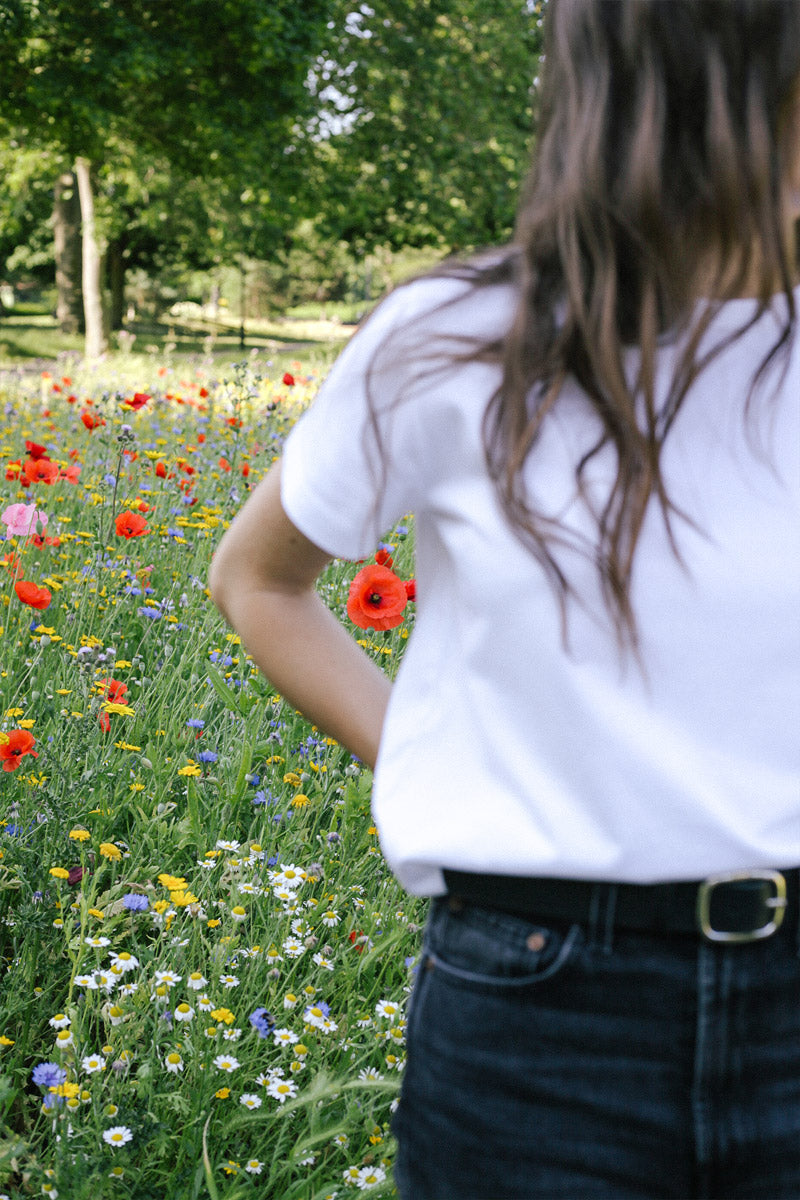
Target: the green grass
(201, 773)
(31, 337)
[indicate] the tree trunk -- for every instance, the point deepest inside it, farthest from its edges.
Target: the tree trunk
(96, 340)
(67, 239)
(116, 282)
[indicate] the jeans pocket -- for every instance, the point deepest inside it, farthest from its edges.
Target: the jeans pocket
(491, 951)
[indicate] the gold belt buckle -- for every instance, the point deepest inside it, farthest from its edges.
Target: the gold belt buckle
(777, 903)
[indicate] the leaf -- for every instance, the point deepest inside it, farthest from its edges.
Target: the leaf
(226, 693)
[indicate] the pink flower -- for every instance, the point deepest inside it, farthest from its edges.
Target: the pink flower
(21, 519)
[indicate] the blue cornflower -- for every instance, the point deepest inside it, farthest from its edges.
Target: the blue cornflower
(262, 1021)
(207, 756)
(147, 610)
(253, 779)
(195, 723)
(135, 903)
(47, 1074)
(109, 480)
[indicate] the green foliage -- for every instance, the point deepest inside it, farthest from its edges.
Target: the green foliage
(424, 128)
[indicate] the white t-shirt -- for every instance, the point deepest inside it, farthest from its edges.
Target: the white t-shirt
(501, 751)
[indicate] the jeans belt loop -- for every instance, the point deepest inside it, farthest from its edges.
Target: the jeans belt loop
(777, 903)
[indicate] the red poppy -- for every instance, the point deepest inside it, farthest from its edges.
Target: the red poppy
(18, 743)
(13, 470)
(35, 450)
(384, 558)
(377, 598)
(288, 379)
(33, 596)
(12, 563)
(104, 721)
(411, 588)
(353, 937)
(245, 469)
(71, 474)
(90, 421)
(130, 524)
(138, 401)
(114, 689)
(224, 465)
(40, 470)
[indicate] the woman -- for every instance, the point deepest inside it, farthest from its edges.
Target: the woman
(589, 759)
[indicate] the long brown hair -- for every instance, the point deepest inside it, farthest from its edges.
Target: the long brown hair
(662, 142)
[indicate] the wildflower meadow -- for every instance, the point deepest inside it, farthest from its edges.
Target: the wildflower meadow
(205, 958)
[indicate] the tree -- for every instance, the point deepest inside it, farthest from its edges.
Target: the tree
(209, 87)
(424, 125)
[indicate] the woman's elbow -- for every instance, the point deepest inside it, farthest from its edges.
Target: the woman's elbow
(219, 582)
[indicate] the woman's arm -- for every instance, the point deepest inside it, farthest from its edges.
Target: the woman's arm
(262, 581)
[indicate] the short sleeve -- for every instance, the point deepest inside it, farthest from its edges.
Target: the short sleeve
(340, 486)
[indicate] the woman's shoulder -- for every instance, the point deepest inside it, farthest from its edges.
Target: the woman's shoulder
(471, 297)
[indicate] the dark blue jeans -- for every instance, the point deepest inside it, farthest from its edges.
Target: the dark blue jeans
(569, 1063)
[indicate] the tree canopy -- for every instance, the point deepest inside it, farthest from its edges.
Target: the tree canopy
(424, 123)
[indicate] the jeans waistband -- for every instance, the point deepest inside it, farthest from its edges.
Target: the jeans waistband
(733, 906)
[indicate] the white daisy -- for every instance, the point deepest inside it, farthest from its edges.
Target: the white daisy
(124, 961)
(387, 1008)
(369, 1177)
(226, 1062)
(173, 1063)
(166, 978)
(118, 1135)
(282, 1089)
(250, 1100)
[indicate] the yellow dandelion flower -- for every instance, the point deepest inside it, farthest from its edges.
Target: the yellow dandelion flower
(173, 883)
(59, 873)
(79, 835)
(109, 850)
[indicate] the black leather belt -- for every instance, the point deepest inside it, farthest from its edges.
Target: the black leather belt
(734, 906)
